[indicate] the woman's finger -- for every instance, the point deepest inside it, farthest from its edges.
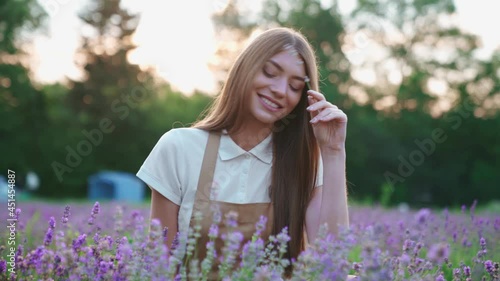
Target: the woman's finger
(329, 114)
(312, 101)
(323, 113)
(322, 104)
(317, 95)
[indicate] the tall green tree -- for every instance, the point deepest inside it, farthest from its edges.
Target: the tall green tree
(108, 75)
(437, 91)
(21, 104)
(405, 74)
(107, 103)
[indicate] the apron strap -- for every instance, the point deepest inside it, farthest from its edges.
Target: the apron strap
(208, 167)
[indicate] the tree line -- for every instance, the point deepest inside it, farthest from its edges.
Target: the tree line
(423, 130)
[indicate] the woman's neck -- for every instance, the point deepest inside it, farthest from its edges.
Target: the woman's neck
(247, 137)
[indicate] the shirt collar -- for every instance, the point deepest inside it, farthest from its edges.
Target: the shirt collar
(229, 149)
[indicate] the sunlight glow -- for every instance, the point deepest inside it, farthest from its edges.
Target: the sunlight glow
(178, 39)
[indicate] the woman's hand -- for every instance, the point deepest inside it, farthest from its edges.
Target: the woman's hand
(329, 123)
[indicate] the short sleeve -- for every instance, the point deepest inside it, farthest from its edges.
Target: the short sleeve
(319, 174)
(161, 170)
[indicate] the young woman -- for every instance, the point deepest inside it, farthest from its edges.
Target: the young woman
(261, 149)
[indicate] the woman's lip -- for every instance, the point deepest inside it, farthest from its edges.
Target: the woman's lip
(266, 105)
(277, 103)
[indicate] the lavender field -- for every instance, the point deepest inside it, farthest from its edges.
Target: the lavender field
(112, 241)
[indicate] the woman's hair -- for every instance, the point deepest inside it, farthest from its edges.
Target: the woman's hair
(296, 152)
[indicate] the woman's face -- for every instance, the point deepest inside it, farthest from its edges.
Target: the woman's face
(277, 88)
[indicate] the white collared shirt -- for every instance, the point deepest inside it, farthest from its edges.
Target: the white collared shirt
(173, 169)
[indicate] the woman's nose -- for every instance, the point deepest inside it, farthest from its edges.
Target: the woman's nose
(279, 87)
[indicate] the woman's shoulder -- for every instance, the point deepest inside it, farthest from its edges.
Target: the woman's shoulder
(184, 136)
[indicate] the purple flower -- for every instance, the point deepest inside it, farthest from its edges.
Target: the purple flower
(104, 267)
(232, 242)
(96, 208)
(95, 211)
(96, 237)
(49, 233)
(262, 274)
(482, 242)
(52, 222)
(283, 237)
(488, 265)
(213, 232)
(407, 245)
(260, 225)
(3, 266)
(48, 237)
(357, 266)
(18, 212)
(467, 271)
(66, 214)
(456, 273)
(440, 277)
(387, 241)
(438, 252)
(217, 216)
(422, 215)
(59, 270)
(405, 259)
(77, 244)
(109, 240)
(232, 219)
(416, 249)
(164, 233)
(175, 243)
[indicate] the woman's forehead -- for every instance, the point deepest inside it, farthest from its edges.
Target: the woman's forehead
(289, 61)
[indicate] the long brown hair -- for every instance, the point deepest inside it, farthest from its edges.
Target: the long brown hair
(296, 152)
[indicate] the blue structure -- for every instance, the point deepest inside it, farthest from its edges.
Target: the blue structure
(114, 185)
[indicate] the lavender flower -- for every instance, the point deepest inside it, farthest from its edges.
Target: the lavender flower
(93, 214)
(65, 218)
(488, 265)
(482, 242)
(379, 245)
(232, 219)
(77, 244)
(440, 277)
(466, 270)
(422, 216)
(213, 232)
(3, 266)
(438, 252)
(118, 219)
(260, 226)
(232, 241)
(49, 233)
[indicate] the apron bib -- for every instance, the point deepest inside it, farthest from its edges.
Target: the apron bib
(248, 214)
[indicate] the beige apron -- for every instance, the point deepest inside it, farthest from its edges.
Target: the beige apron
(248, 214)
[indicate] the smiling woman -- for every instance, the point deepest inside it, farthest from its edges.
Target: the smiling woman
(259, 152)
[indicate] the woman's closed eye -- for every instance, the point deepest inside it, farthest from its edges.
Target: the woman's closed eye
(269, 73)
(296, 86)
(272, 74)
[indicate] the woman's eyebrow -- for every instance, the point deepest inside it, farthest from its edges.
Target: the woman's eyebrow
(281, 69)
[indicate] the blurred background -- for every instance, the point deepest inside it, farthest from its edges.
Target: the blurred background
(90, 86)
